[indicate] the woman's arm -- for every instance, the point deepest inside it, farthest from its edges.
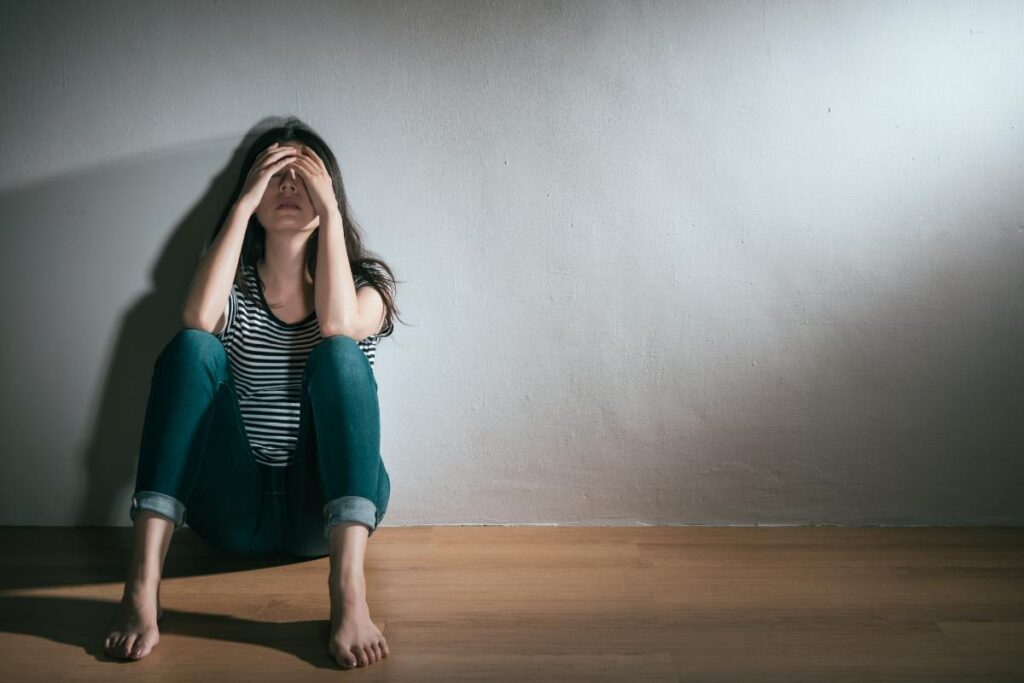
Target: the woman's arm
(211, 284)
(339, 308)
(335, 289)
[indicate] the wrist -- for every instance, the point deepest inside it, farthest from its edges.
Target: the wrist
(332, 215)
(244, 209)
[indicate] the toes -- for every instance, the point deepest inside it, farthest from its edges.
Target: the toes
(346, 659)
(384, 648)
(146, 643)
(129, 643)
(361, 656)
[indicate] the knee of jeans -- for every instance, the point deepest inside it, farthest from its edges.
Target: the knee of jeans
(338, 351)
(195, 346)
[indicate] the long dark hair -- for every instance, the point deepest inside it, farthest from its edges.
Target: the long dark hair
(361, 261)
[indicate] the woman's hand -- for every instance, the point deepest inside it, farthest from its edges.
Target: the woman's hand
(267, 163)
(318, 182)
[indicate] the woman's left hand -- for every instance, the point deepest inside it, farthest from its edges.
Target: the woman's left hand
(318, 182)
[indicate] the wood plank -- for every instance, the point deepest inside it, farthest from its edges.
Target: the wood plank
(543, 603)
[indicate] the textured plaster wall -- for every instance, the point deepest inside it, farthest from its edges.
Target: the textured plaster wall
(663, 262)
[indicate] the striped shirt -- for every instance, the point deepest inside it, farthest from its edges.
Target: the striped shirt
(268, 358)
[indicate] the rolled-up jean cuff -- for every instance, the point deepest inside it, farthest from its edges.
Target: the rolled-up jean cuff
(161, 503)
(350, 509)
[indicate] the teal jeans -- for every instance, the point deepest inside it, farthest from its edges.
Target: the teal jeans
(195, 456)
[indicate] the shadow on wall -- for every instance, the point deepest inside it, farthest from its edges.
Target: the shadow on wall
(884, 401)
(88, 248)
(111, 456)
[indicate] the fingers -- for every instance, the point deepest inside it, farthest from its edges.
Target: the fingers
(315, 158)
(304, 159)
(305, 151)
(305, 166)
(270, 156)
(284, 155)
(269, 168)
(308, 171)
(270, 151)
(282, 162)
(270, 164)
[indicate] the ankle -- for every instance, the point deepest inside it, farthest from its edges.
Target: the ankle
(143, 578)
(350, 587)
(146, 560)
(347, 573)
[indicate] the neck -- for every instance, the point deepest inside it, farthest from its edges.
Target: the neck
(283, 267)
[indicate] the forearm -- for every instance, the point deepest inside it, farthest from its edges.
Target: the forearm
(335, 290)
(211, 283)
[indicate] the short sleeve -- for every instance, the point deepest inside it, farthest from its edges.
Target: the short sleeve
(230, 307)
(360, 282)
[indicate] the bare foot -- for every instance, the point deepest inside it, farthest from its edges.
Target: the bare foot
(355, 639)
(134, 632)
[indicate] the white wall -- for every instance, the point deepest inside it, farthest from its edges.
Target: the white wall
(665, 262)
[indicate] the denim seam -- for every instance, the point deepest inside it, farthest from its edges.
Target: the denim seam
(212, 408)
(345, 508)
(316, 450)
(206, 438)
(236, 411)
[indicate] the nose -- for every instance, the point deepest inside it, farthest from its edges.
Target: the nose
(288, 181)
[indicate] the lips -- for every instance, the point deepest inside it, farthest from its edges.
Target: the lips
(287, 205)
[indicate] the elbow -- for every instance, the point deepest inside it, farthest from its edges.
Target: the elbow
(192, 322)
(334, 330)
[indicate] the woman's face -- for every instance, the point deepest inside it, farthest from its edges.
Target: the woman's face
(286, 204)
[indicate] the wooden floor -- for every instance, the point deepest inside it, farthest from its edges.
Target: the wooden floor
(543, 604)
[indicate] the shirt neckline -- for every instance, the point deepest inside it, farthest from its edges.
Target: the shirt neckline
(254, 279)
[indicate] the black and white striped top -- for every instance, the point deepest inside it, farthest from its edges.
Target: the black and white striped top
(268, 358)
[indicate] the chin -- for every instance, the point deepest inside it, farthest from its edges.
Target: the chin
(303, 223)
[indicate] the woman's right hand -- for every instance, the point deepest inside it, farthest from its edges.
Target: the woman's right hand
(266, 164)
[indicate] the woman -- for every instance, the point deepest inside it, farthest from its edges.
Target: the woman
(282, 320)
